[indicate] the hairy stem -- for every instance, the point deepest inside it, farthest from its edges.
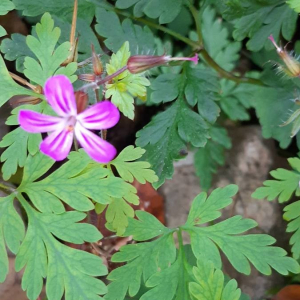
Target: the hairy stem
(196, 17)
(75, 144)
(197, 46)
(223, 73)
(209, 60)
(103, 80)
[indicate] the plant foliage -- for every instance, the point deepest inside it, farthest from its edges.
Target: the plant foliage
(166, 271)
(47, 208)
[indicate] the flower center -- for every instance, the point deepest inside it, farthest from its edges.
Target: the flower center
(71, 123)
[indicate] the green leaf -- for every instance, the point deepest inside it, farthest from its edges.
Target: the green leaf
(239, 249)
(75, 183)
(292, 214)
(118, 214)
(273, 106)
(259, 19)
(210, 285)
(143, 259)
(294, 4)
(166, 11)
(171, 283)
(67, 270)
(6, 6)
(165, 136)
(207, 159)
(146, 227)
(12, 232)
(205, 209)
(183, 22)
(15, 155)
(129, 169)
(141, 39)
(216, 40)
(165, 88)
(49, 58)
(15, 48)
(285, 184)
(2, 31)
(19, 142)
(9, 87)
(236, 99)
(62, 9)
(125, 86)
(202, 88)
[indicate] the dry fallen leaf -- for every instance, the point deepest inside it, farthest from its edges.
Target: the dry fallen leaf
(290, 292)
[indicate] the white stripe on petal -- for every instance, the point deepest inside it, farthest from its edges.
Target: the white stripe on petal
(58, 144)
(102, 115)
(59, 93)
(35, 122)
(98, 149)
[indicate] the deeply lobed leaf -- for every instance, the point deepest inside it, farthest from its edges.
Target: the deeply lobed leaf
(292, 214)
(141, 39)
(130, 170)
(75, 183)
(49, 58)
(207, 159)
(210, 284)
(12, 232)
(239, 249)
(285, 184)
(67, 270)
(126, 86)
(259, 19)
(166, 11)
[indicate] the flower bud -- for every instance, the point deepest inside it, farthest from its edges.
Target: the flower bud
(141, 63)
(97, 64)
(87, 77)
(81, 99)
(292, 65)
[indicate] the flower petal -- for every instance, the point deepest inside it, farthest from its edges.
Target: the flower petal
(35, 122)
(59, 93)
(58, 144)
(98, 149)
(102, 115)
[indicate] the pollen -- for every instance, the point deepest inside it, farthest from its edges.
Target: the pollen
(70, 128)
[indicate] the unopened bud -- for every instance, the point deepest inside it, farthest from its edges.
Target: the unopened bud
(97, 64)
(292, 65)
(81, 99)
(141, 63)
(87, 77)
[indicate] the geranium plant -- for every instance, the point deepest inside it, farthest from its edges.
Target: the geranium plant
(88, 64)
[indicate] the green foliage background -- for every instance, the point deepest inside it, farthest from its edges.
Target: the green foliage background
(192, 104)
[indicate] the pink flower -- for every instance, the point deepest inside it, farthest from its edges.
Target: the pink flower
(60, 95)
